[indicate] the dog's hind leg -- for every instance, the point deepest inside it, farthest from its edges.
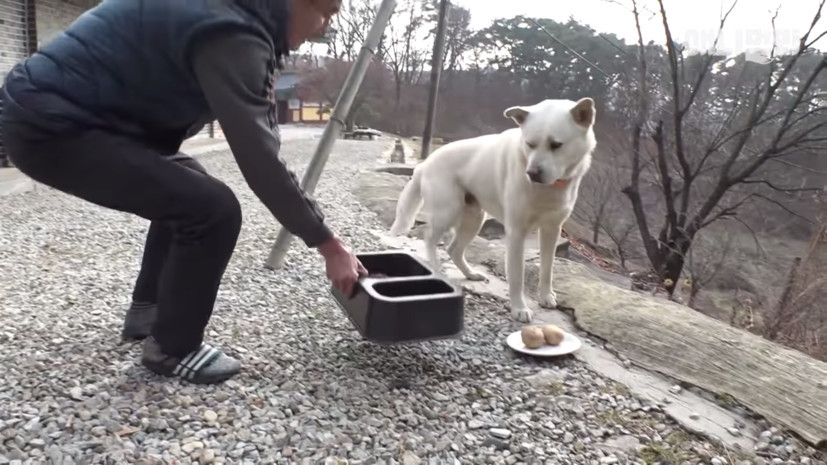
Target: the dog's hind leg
(468, 228)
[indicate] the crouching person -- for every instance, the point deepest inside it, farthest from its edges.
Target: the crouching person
(101, 112)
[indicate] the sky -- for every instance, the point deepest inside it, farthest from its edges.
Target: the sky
(694, 23)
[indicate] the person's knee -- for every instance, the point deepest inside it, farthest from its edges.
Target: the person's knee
(217, 210)
(226, 210)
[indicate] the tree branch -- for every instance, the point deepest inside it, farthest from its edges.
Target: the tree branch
(781, 189)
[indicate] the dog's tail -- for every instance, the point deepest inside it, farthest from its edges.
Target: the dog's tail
(410, 201)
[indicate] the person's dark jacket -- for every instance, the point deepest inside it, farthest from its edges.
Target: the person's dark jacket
(157, 71)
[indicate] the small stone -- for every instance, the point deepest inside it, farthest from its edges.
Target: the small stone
(191, 447)
(76, 393)
(39, 443)
(717, 461)
(409, 458)
(207, 456)
(475, 424)
(568, 437)
(694, 416)
(734, 431)
(611, 459)
(500, 433)
(210, 416)
(675, 389)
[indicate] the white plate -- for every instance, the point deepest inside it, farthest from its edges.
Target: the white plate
(569, 345)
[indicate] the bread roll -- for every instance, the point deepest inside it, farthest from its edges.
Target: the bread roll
(552, 335)
(532, 337)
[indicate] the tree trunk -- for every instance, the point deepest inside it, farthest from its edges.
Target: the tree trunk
(694, 290)
(673, 262)
(598, 220)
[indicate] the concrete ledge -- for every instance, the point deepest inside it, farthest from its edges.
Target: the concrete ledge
(13, 182)
(397, 169)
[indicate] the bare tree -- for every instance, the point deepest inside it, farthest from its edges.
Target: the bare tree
(405, 56)
(707, 173)
(800, 319)
(707, 257)
(351, 24)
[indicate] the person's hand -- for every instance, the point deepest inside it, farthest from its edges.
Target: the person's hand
(343, 268)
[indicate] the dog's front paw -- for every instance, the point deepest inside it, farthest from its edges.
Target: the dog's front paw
(523, 315)
(549, 300)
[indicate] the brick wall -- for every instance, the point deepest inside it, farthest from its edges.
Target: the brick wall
(16, 41)
(54, 16)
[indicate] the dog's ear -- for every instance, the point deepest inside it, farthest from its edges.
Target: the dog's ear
(518, 114)
(583, 112)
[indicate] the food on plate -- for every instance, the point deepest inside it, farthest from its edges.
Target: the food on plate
(552, 334)
(533, 337)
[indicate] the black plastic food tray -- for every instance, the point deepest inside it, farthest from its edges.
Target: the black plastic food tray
(402, 300)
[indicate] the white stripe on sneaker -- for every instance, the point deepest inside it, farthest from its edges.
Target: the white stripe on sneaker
(186, 360)
(203, 361)
(189, 366)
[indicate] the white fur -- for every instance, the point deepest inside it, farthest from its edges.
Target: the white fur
(492, 169)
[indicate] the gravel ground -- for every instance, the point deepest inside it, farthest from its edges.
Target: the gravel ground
(312, 391)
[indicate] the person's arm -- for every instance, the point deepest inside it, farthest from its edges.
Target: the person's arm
(232, 69)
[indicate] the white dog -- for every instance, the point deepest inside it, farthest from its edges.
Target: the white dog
(526, 177)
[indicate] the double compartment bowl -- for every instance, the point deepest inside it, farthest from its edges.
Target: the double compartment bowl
(402, 300)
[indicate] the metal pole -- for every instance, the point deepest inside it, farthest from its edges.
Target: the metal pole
(337, 121)
(436, 74)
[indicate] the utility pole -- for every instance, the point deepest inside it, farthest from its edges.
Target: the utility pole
(436, 75)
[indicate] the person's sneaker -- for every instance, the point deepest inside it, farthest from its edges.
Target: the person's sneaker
(137, 325)
(205, 365)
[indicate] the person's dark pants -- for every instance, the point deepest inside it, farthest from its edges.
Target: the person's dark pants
(195, 218)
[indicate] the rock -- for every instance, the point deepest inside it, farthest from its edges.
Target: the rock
(676, 389)
(545, 377)
(207, 456)
(500, 433)
(76, 393)
(625, 444)
(191, 447)
(409, 458)
(210, 416)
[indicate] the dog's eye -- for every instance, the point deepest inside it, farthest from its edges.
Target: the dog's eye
(530, 145)
(554, 145)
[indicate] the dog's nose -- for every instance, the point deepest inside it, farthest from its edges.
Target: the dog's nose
(535, 174)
